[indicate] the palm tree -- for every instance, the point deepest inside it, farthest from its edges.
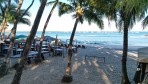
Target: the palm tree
(13, 34)
(4, 23)
(11, 14)
(10, 19)
(14, 31)
(83, 10)
(45, 26)
(29, 41)
(140, 8)
(23, 20)
(124, 22)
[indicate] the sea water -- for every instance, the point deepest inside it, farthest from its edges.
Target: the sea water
(101, 37)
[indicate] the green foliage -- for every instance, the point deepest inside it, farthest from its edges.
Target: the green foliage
(145, 21)
(65, 8)
(11, 14)
(137, 8)
(51, 2)
(87, 9)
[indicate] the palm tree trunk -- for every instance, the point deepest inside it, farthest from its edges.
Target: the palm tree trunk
(3, 34)
(4, 23)
(44, 29)
(29, 41)
(9, 34)
(67, 77)
(13, 32)
(21, 17)
(125, 79)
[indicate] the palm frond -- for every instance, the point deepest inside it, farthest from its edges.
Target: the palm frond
(2, 10)
(65, 8)
(17, 1)
(25, 21)
(145, 22)
(50, 3)
(91, 16)
(1, 1)
(119, 24)
(81, 19)
(23, 11)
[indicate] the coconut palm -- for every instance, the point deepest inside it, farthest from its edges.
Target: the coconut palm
(13, 36)
(23, 20)
(82, 10)
(45, 26)
(124, 22)
(11, 14)
(14, 31)
(4, 22)
(10, 19)
(29, 41)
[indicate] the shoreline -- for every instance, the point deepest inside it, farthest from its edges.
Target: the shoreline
(117, 47)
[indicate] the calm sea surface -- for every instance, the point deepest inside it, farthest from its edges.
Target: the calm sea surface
(102, 38)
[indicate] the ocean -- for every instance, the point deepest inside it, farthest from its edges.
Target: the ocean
(101, 37)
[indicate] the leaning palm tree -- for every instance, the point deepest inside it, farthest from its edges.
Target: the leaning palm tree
(21, 19)
(10, 18)
(13, 36)
(14, 31)
(4, 22)
(11, 13)
(82, 10)
(45, 26)
(29, 41)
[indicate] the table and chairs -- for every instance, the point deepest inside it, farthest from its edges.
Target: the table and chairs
(58, 50)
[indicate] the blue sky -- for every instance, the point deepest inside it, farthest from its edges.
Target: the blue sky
(65, 22)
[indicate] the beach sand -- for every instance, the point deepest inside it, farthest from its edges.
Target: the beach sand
(89, 71)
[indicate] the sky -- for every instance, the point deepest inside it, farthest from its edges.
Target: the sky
(65, 22)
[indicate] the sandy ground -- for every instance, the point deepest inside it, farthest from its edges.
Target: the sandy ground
(89, 71)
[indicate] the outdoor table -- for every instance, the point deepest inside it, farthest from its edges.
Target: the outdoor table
(58, 50)
(30, 55)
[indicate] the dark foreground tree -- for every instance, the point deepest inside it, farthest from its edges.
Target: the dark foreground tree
(45, 26)
(125, 21)
(29, 41)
